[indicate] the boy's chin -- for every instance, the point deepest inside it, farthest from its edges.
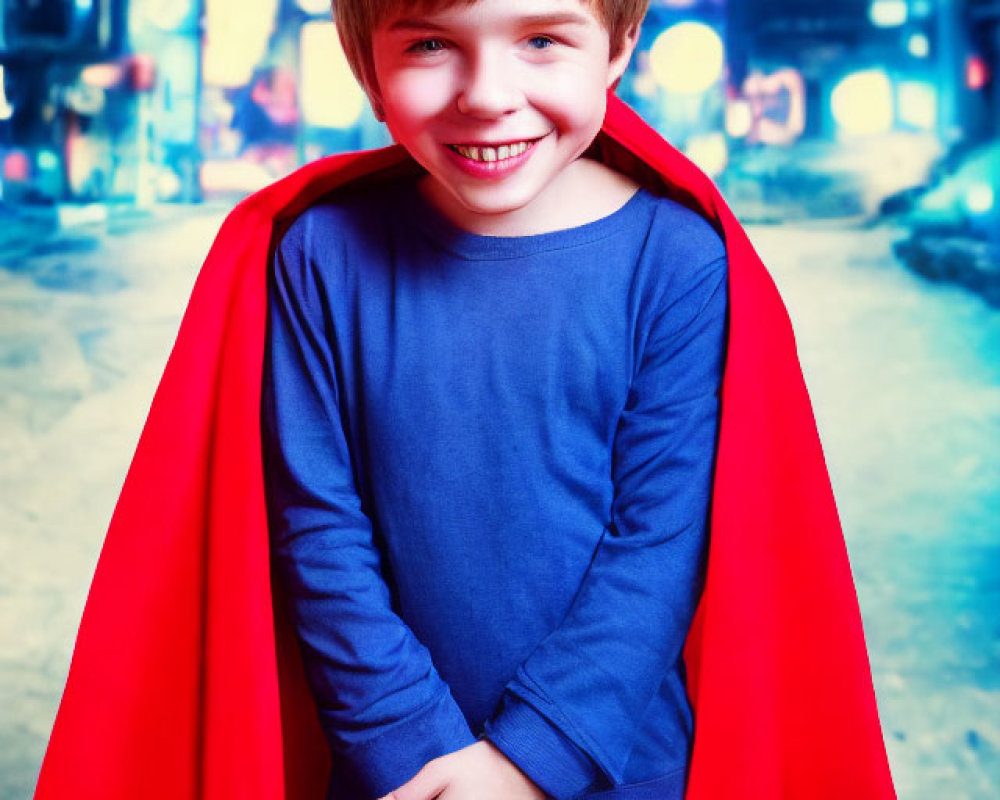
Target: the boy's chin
(485, 201)
(492, 206)
(489, 207)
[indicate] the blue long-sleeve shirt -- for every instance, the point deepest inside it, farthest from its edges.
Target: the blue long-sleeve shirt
(489, 464)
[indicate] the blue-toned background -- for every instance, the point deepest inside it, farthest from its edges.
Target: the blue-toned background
(857, 139)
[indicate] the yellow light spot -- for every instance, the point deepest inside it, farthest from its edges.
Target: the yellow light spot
(331, 97)
(687, 58)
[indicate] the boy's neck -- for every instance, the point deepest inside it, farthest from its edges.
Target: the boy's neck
(584, 191)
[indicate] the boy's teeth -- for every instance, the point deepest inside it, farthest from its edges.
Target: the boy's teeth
(490, 154)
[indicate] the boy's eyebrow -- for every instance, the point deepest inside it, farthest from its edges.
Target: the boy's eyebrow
(558, 18)
(533, 20)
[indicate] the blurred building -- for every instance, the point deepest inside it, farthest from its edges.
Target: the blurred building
(46, 111)
(868, 96)
(937, 58)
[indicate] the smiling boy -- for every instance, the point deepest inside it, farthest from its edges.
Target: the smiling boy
(450, 411)
(490, 410)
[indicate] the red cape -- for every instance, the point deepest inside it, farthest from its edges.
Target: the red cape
(185, 681)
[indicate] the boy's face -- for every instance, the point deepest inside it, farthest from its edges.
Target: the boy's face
(497, 98)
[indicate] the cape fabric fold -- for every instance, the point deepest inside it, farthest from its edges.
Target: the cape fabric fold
(186, 681)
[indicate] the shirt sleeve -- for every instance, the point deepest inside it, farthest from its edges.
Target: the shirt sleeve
(570, 714)
(383, 706)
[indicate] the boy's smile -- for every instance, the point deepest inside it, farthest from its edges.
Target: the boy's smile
(497, 100)
(485, 160)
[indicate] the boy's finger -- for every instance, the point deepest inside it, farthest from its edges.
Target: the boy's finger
(425, 785)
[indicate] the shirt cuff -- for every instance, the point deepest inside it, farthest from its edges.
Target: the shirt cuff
(540, 750)
(387, 761)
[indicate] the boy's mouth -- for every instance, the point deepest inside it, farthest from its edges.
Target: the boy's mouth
(493, 153)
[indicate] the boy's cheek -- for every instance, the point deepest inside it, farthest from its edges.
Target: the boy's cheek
(572, 92)
(414, 96)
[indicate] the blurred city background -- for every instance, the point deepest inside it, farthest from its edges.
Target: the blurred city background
(857, 140)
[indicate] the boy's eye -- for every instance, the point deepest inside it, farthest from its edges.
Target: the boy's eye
(541, 42)
(426, 46)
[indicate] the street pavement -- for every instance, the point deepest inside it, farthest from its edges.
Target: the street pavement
(905, 380)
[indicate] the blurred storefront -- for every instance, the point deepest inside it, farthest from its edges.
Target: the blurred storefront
(58, 131)
(851, 103)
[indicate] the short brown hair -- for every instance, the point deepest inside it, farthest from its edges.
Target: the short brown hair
(356, 19)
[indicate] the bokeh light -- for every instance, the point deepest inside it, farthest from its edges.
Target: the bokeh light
(918, 104)
(979, 198)
(236, 34)
(331, 97)
(918, 45)
(888, 13)
(862, 103)
(687, 58)
(709, 151)
(6, 109)
(739, 118)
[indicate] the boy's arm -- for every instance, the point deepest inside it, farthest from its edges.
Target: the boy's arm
(384, 708)
(585, 688)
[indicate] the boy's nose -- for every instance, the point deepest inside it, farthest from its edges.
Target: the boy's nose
(488, 89)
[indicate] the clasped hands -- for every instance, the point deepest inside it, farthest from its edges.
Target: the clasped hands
(477, 772)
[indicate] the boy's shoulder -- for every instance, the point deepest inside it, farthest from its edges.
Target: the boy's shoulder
(685, 234)
(683, 267)
(675, 228)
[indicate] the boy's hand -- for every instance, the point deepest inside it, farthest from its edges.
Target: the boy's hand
(477, 772)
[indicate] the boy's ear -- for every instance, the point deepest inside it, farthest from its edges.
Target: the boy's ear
(616, 68)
